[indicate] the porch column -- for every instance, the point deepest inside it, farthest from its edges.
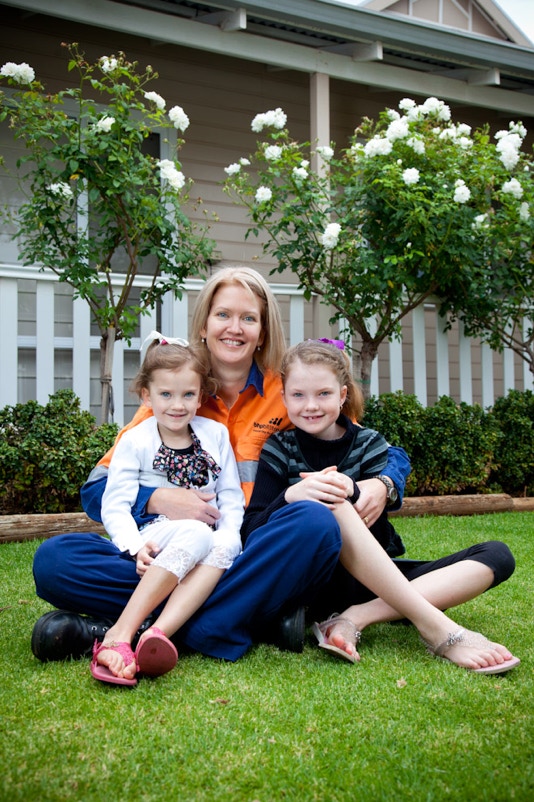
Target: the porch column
(319, 116)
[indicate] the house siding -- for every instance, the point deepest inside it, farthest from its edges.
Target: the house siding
(221, 95)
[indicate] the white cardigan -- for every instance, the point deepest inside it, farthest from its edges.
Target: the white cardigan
(131, 466)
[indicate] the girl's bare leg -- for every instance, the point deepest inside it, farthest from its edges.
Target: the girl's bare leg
(155, 586)
(444, 588)
(367, 561)
(187, 597)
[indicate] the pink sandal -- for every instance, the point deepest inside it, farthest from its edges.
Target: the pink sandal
(103, 673)
(155, 654)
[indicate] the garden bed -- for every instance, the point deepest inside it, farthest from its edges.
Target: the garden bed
(15, 528)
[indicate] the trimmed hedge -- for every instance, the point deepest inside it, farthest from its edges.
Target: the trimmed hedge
(514, 454)
(46, 454)
(459, 448)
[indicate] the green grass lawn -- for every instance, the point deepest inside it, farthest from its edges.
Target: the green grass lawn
(400, 725)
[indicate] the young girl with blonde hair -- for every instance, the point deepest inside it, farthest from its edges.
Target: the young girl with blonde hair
(321, 460)
(178, 561)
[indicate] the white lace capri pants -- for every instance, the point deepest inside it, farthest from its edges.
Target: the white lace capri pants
(183, 544)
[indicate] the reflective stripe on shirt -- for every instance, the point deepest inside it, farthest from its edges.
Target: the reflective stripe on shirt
(247, 470)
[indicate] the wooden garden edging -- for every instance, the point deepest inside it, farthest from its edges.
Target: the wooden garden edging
(463, 505)
(15, 528)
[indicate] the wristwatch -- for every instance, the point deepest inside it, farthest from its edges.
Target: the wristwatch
(392, 494)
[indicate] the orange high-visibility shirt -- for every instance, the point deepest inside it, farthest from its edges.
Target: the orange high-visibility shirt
(250, 421)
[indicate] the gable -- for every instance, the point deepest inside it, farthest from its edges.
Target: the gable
(480, 17)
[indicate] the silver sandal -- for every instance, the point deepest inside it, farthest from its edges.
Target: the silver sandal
(348, 630)
(474, 639)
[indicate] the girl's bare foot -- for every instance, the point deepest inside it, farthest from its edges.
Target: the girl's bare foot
(117, 660)
(473, 651)
(339, 635)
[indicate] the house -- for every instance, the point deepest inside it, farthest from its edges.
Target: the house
(327, 63)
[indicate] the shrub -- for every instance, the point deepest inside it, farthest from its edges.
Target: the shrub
(46, 454)
(451, 446)
(457, 447)
(514, 454)
(399, 418)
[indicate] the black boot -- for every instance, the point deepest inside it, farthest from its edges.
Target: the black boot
(147, 623)
(60, 634)
(291, 631)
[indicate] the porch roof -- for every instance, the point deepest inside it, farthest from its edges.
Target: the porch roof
(345, 42)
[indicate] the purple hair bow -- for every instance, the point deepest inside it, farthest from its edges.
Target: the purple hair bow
(338, 343)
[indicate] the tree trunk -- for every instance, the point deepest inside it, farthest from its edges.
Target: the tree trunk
(107, 347)
(368, 353)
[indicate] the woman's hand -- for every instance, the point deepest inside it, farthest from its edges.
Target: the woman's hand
(327, 486)
(372, 500)
(145, 556)
(178, 504)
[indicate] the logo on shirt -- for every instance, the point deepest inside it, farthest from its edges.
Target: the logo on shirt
(271, 427)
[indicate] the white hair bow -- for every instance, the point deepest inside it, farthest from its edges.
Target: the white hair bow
(155, 335)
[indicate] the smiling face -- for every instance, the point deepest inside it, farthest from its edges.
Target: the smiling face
(313, 398)
(233, 328)
(174, 397)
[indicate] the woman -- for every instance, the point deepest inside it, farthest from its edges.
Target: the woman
(283, 564)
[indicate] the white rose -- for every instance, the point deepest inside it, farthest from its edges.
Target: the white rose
(269, 119)
(524, 212)
(232, 169)
(300, 173)
(273, 152)
(397, 129)
(513, 187)
(378, 146)
(411, 176)
(169, 172)
(417, 145)
(461, 192)
(108, 64)
(330, 236)
(61, 188)
(155, 98)
(104, 124)
(179, 118)
(21, 73)
(263, 194)
(325, 151)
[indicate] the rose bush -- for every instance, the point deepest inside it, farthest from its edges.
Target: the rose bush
(416, 206)
(97, 201)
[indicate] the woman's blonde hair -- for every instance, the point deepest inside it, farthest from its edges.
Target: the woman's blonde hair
(273, 346)
(315, 352)
(171, 356)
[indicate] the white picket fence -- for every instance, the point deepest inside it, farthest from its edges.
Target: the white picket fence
(40, 323)
(47, 342)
